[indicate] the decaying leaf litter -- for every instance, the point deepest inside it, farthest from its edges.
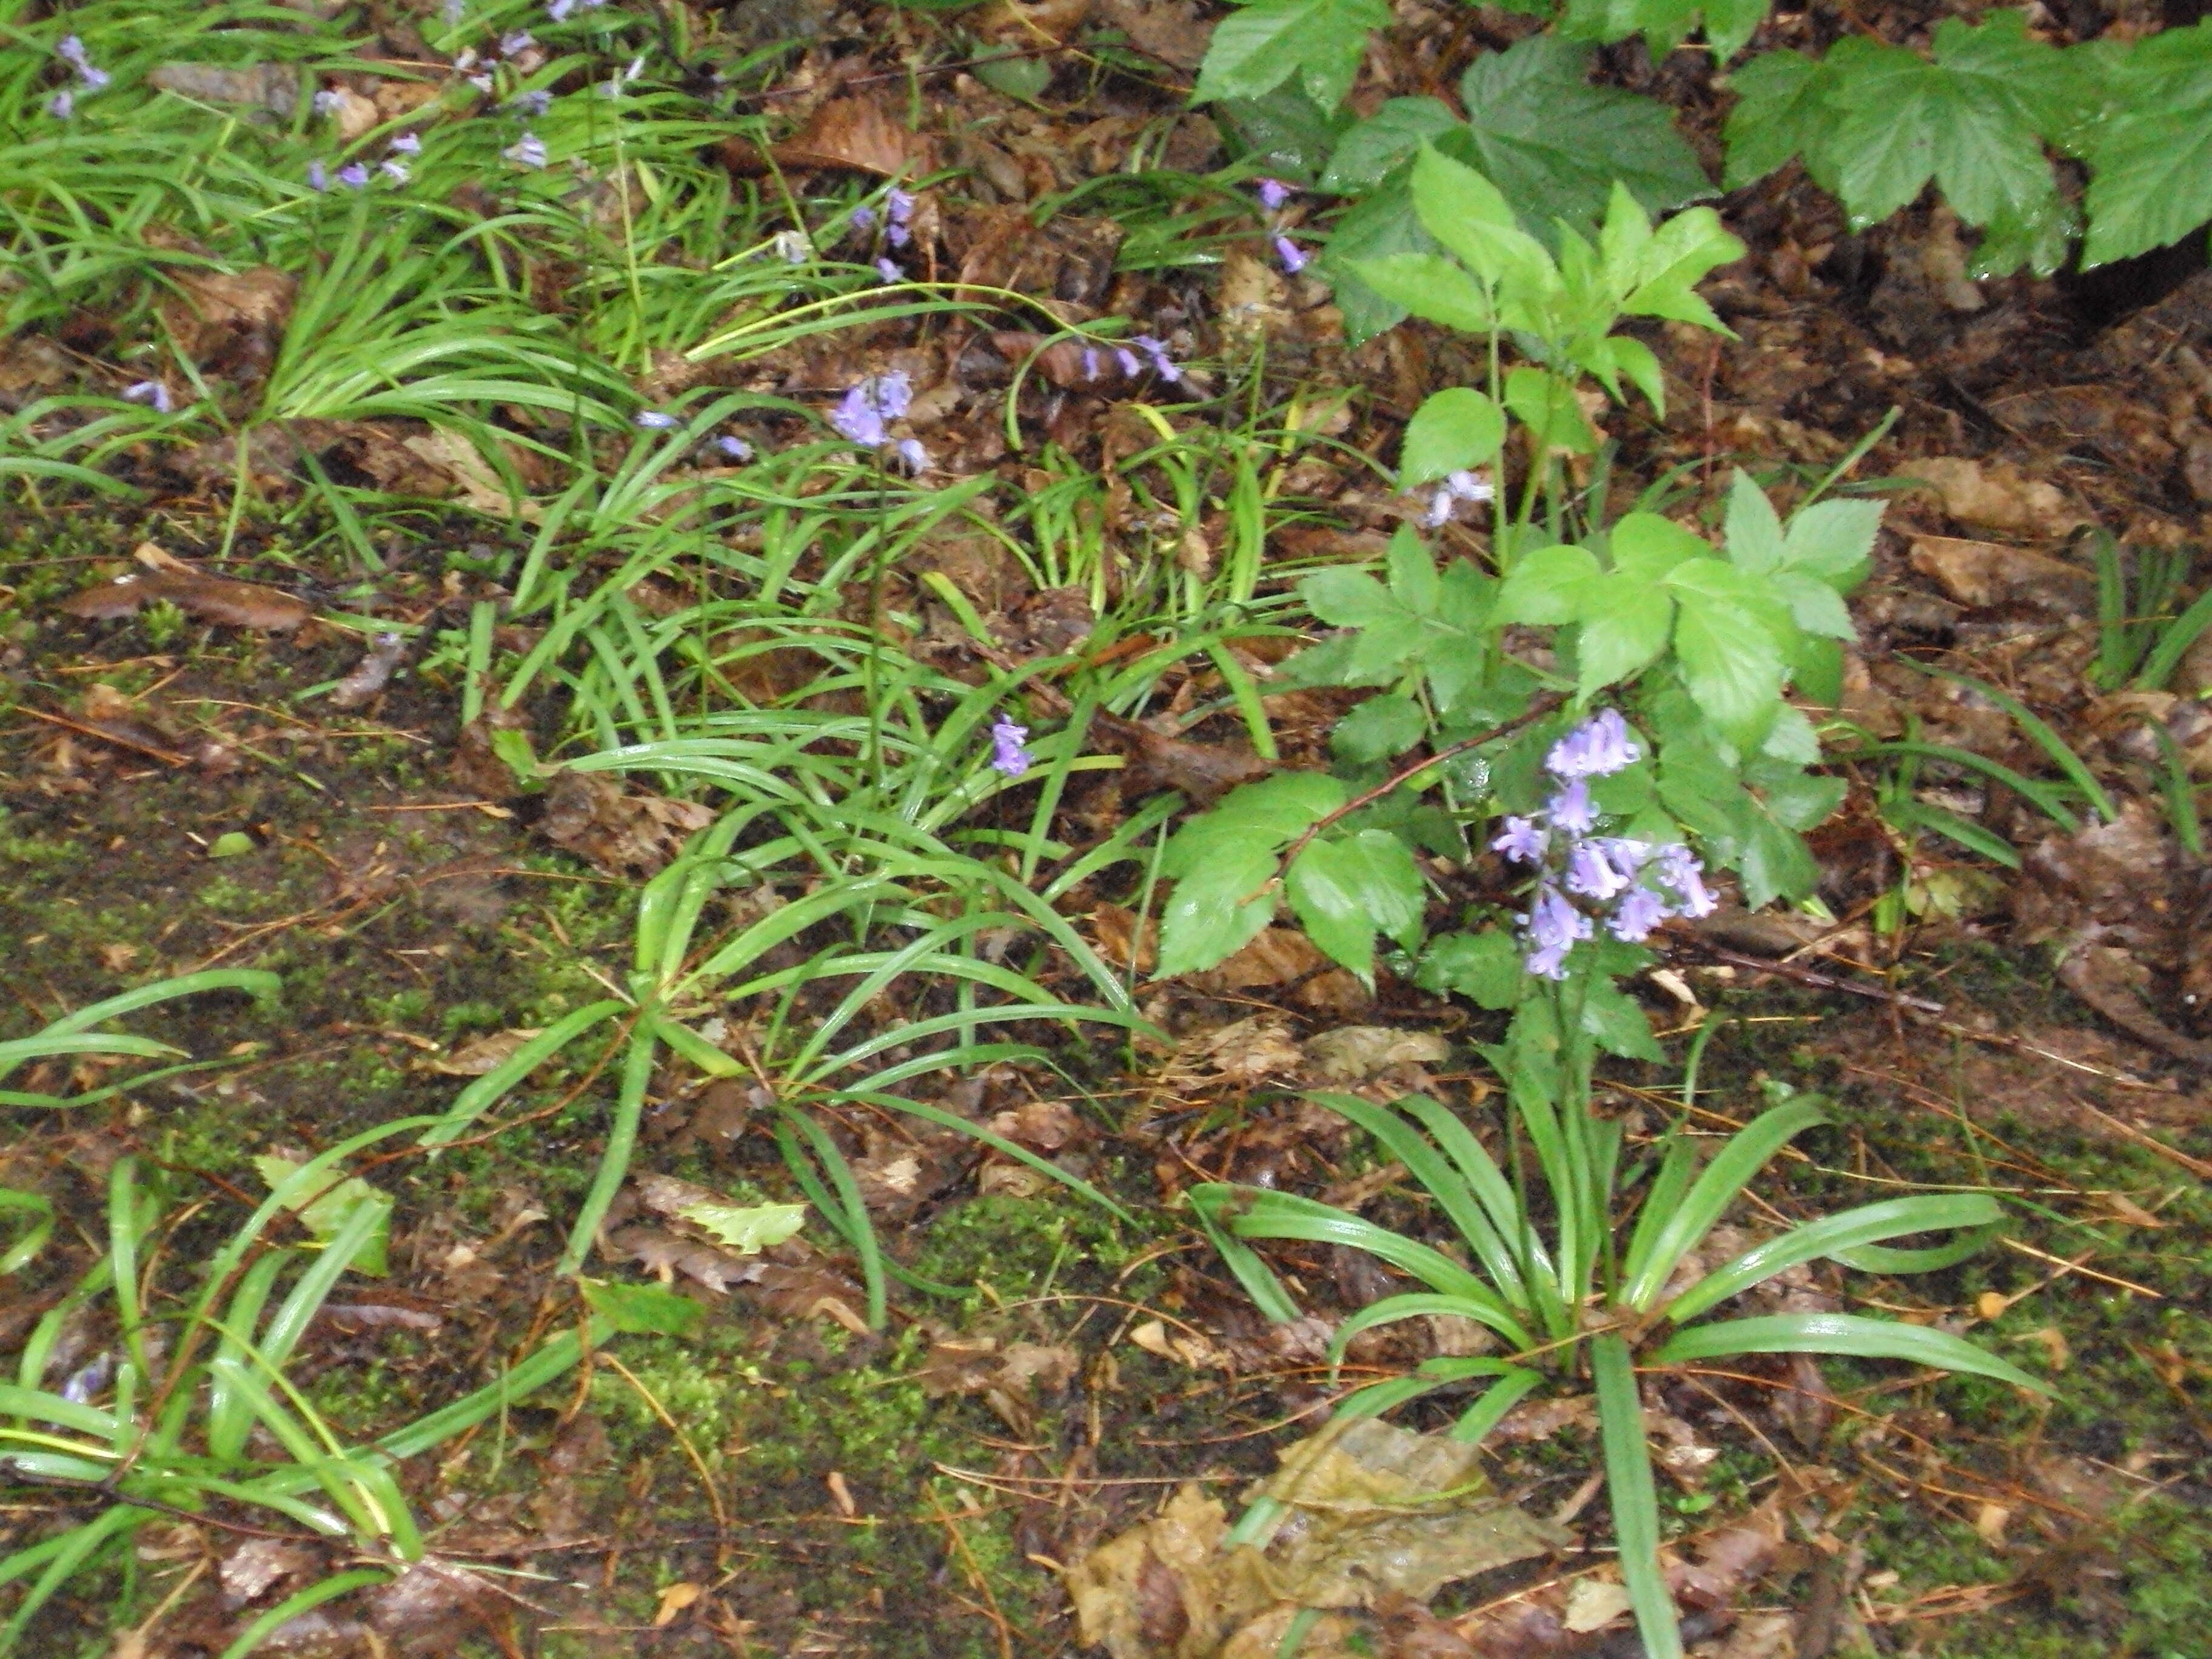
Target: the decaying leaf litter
(310, 700)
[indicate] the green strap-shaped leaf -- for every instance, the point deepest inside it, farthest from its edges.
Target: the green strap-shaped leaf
(1841, 1334)
(1868, 1223)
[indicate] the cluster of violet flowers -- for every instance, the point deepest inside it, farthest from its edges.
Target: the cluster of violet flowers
(1631, 886)
(355, 175)
(865, 413)
(1125, 359)
(898, 228)
(90, 77)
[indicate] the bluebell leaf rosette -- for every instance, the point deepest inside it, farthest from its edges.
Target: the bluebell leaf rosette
(1584, 878)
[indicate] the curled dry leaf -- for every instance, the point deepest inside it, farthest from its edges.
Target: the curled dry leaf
(1170, 30)
(368, 677)
(857, 132)
(481, 1054)
(590, 815)
(1153, 761)
(1353, 1053)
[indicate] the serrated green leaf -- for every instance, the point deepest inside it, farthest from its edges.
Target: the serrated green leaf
(1486, 968)
(643, 1309)
(1469, 215)
(1815, 606)
(1343, 891)
(1453, 430)
(2150, 157)
(1546, 403)
(1754, 529)
(324, 1216)
(1833, 540)
(1319, 42)
(1378, 729)
(1728, 644)
(1217, 907)
(1650, 547)
(1267, 814)
(746, 1229)
(1386, 139)
(1554, 144)
(1781, 110)
(1616, 1023)
(1378, 227)
(1429, 286)
(1412, 572)
(1547, 587)
(1625, 620)
(1285, 133)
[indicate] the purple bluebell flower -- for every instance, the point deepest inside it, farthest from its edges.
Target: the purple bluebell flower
(651, 420)
(328, 103)
(898, 235)
(94, 79)
(1591, 873)
(530, 151)
(1162, 365)
(1127, 360)
(353, 175)
(1091, 362)
(1293, 256)
(1457, 487)
(1638, 912)
(1554, 927)
(70, 50)
(900, 204)
(1273, 192)
(913, 456)
(558, 11)
(515, 42)
(889, 272)
(1572, 810)
(1008, 757)
(150, 392)
(394, 169)
(736, 448)
(85, 1385)
(482, 82)
(1628, 856)
(532, 104)
(862, 413)
(864, 217)
(62, 105)
(1597, 748)
(1523, 840)
(1679, 868)
(318, 176)
(406, 144)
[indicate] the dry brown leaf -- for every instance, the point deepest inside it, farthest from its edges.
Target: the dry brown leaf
(1245, 1052)
(211, 598)
(859, 132)
(1252, 300)
(1997, 495)
(1985, 575)
(485, 1053)
(590, 815)
(1353, 1053)
(275, 86)
(1153, 761)
(674, 1598)
(366, 679)
(1170, 30)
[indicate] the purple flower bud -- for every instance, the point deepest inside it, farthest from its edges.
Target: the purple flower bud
(1468, 487)
(899, 205)
(530, 151)
(149, 392)
(328, 103)
(1571, 811)
(1590, 873)
(1440, 510)
(353, 175)
(406, 144)
(913, 456)
(1523, 840)
(1091, 362)
(319, 177)
(483, 82)
(62, 105)
(393, 169)
(889, 272)
(1636, 914)
(1597, 748)
(736, 448)
(1162, 365)
(1008, 757)
(651, 420)
(558, 11)
(864, 217)
(1127, 360)
(516, 41)
(898, 235)
(1273, 192)
(533, 103)
(94, 79)
(85, 1385)
(1292, 256)
(1552, 927)
(70, 50)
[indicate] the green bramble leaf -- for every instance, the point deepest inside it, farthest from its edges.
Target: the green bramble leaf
(1546, 403)
(1781, 111)
(1344, 890)
(1319, 42)
(1367, 152)
(2150, 157)
(1425, 285)
(643, 1309)
(746, 1229)
(1616, 1024)
(1217, 908)
(1377, 729)
(1376, 228)
(1486, 968)
(1729, 640)
(1456, 428)
(1547, 587)
(326, 1215)
(1625, 620)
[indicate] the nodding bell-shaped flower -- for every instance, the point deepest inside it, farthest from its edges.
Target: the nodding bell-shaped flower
(152, 392)
(1554, 925)
(651, 420)
(1273, 192)
(1008, 758)
(529, 151)
(1597, 748)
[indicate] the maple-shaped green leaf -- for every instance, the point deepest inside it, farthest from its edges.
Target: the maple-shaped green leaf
(2151, 158)
(746, 1229)
(1781, 111)
(1554, 144)
(1665, 24)
(1257, 48)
